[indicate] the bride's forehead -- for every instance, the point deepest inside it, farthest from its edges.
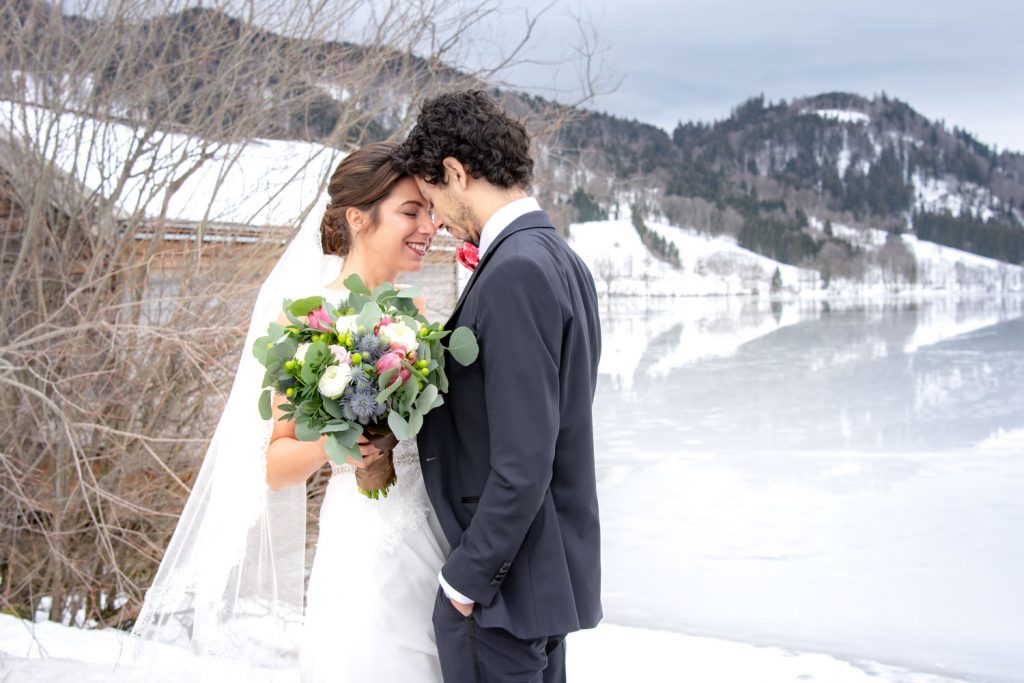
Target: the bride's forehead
(406, 190)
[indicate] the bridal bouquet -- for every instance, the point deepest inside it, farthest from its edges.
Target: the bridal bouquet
(372, 365)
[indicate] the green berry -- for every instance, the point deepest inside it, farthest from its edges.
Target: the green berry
(357, 358)
(270, 345)
(289, 392)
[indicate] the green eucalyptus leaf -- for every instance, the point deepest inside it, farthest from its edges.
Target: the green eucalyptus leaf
(415, 423)
(334, 409)
(384, 378)
(285, 350)
(355, 284)
(463, 346)
(369, 316)
(306, 432)
(408, 293)
(387, 391)
(304, 306)
(385, 290)
(337, 450)
(309, 373)
(398, 426)
(357, 300)
(335, 427)
(410, 390)
(427, 398)
(266, 412)
(260, 350)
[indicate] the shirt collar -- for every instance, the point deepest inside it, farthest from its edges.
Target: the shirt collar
(504, 217)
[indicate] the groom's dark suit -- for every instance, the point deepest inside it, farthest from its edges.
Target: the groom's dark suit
(508, 460)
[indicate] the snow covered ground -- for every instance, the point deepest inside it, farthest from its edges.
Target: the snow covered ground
(51, 652)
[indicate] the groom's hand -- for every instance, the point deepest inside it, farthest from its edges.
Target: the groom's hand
(464, 610)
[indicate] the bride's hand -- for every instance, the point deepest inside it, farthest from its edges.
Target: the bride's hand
(369, 451)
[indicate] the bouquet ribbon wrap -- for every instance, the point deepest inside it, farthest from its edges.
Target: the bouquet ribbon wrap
(378, 476)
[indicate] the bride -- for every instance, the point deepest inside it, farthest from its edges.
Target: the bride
(230, 586)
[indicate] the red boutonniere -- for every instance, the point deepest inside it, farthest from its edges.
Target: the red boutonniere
(468, 255)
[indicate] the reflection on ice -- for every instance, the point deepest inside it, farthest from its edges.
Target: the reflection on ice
(844, 479)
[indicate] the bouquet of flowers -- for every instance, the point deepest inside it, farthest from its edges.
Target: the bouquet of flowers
(371, 365)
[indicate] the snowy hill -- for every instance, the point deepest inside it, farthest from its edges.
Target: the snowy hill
(623, 266)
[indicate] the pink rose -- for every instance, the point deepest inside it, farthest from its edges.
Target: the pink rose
(319, 320)
(391, 360)
(340, 354)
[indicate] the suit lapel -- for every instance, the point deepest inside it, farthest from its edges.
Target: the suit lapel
(534, 219)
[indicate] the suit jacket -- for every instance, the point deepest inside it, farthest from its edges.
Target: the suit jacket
(508, 460)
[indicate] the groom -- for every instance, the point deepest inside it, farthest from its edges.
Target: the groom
(508, 460)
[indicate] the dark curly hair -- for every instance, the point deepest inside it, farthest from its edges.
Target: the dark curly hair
(468, 126)
(362, 180)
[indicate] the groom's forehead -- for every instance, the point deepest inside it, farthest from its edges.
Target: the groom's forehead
(426, 189)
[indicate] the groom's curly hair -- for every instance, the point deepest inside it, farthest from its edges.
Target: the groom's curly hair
(469, 126)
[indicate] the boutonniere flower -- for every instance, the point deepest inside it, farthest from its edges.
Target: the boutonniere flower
(468, 255)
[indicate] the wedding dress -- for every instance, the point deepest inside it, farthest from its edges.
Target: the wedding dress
(371, 588)
(227, 603)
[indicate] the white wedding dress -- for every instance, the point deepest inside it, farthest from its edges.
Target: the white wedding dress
(373, 581)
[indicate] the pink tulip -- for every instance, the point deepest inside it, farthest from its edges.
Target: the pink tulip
(391, 360)
(319, 320)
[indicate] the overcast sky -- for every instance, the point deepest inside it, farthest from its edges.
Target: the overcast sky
(696, 59)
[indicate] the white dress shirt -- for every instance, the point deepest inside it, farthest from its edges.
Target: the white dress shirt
(494, 226)
(503, 218)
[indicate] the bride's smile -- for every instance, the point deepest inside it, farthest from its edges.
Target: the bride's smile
(392, 237)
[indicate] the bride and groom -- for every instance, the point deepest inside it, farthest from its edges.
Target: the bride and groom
(494, 514)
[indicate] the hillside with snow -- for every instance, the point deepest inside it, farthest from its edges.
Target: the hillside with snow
(717, 266)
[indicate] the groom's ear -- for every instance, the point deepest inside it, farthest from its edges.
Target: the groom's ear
(455, 173)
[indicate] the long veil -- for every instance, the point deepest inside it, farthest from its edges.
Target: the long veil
(230, 586)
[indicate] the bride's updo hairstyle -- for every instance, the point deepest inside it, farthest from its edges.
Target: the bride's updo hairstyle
(362, 180)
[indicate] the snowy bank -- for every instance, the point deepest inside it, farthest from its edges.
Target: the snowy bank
(51, 652)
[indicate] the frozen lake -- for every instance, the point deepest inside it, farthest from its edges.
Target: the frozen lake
(845, 479)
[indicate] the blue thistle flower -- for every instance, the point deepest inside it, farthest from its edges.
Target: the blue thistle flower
(362, 401)
(370, 347)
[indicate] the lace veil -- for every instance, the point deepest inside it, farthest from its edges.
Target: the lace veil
(230, 587)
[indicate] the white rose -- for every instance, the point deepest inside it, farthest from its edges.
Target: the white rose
(398, 333)
(300, 353)
(334, 380)
(346, 323)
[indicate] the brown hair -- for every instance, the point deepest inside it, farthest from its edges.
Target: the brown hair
(362, 180)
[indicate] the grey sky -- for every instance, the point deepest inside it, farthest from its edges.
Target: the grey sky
(696, 59)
